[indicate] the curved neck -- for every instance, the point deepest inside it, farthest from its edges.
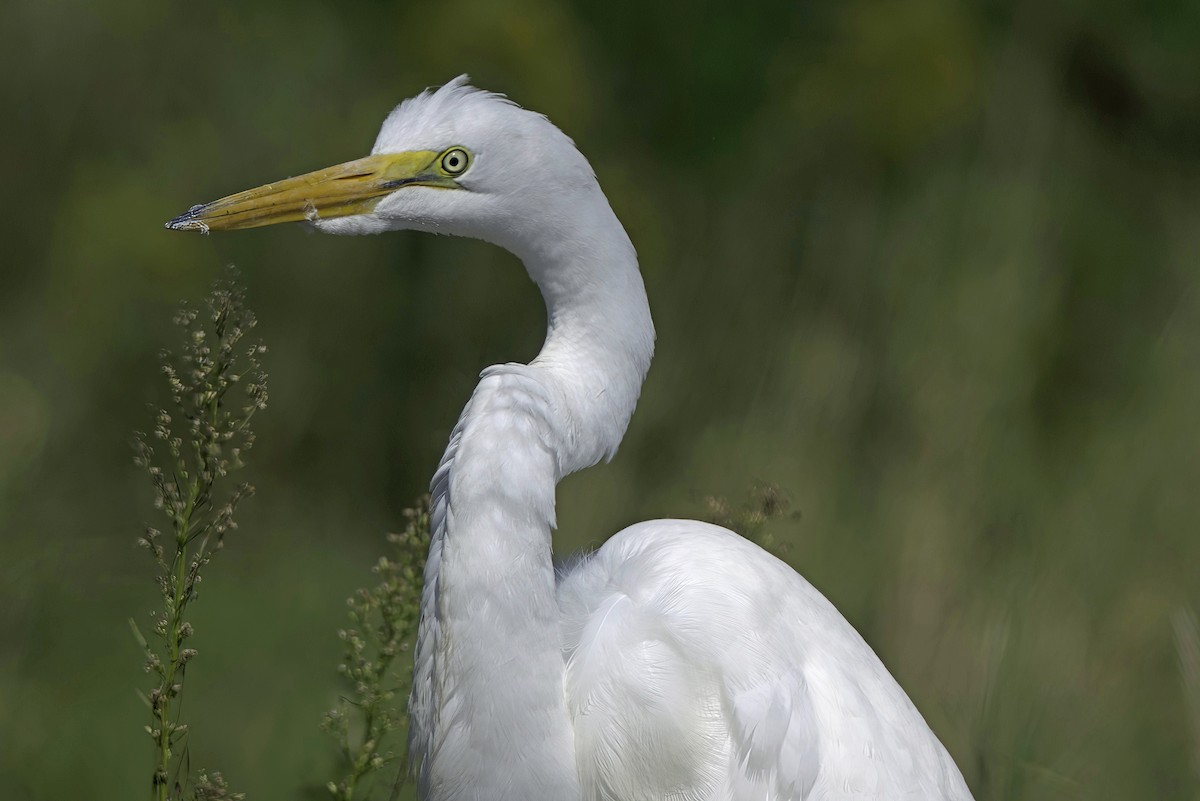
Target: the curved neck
(599, 335)
(489, 716)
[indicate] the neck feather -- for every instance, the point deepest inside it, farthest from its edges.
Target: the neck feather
(488, 710)
(599, 337)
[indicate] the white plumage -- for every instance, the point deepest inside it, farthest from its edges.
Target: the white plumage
(679, 661)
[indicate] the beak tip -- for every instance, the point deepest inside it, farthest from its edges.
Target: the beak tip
(188, 221)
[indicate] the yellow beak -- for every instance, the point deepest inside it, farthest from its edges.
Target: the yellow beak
(355, 187)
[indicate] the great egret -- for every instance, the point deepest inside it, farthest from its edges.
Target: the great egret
(678, 661)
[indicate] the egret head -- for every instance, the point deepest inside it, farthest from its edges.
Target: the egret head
(457, 160)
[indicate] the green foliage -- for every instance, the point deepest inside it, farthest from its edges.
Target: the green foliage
(217, 385)
(1187, 642)
(929, 265)
(374, 665)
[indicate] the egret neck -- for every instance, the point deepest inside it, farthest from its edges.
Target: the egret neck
(490, 615)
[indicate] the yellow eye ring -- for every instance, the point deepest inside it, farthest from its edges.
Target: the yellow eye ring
(455, 161)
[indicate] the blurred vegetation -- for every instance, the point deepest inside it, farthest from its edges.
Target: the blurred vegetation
(928, 266)
(377, 664)
(752, 517)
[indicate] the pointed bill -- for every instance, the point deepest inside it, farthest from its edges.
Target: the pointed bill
(340, 191)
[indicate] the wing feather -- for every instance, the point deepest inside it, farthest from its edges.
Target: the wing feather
(701, 668)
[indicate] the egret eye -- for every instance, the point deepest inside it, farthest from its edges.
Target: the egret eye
(455, 161)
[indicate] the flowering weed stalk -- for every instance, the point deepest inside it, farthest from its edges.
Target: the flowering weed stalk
(383, 621)
(216, 387)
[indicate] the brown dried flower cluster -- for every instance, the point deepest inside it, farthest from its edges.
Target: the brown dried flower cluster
(751, 518)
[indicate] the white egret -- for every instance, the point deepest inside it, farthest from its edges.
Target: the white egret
(678, 661)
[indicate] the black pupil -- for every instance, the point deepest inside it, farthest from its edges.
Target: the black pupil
(453, 162)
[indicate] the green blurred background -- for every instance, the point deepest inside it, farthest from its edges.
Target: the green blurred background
(929, 266)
